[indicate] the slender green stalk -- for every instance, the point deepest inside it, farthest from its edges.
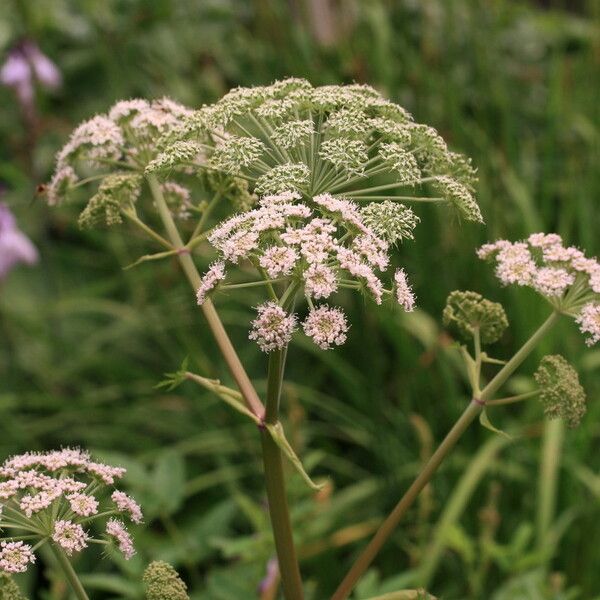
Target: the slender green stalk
(471, 412)
(69, 571)
(225, 346)
(275, 483)
(139, 223)
(548, 480)
(513, 399)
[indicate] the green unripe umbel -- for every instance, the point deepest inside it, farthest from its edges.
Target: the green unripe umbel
(163, 583)
(9, 590)
(469, 310)
(560, 391)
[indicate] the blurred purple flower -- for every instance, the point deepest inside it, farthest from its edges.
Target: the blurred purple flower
(24, 63)
(271, 576)
(15, 246)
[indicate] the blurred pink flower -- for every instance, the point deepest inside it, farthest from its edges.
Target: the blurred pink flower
(24, 64)
(15, 246)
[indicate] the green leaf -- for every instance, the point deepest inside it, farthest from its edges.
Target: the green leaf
(172, 380)
(168, 482)
(278, 435)
(485, 421)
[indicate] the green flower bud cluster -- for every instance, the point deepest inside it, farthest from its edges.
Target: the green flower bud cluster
(350, 139)
(116, 191)
(391, 221)
(163, 583)
(561, 393)
(468, 311)
(9, 590)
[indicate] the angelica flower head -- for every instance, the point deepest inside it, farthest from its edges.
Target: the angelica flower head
(563, 275)
(561, 393)
(118, 147)
(61, 495)
(273, 328)
(347, 140)
(339, 139)
(326, 326)
(316, 245)
(321, 179)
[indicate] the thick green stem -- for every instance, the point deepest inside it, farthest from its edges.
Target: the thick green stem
(471, 412)
(69, 571)
(275, 482)
(225, 346)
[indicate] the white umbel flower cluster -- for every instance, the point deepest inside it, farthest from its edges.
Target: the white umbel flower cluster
(568, 279)
(57, 495)
(315, 245)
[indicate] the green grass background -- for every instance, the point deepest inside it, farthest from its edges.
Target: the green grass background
(515, 85)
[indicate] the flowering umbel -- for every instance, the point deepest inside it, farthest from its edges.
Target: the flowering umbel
(561, 393)
(59, 497)
(568, 279)
(320, 177)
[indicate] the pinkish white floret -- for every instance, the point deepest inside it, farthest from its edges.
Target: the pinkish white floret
(239, 245)
(544, 240)
(8, 489)
(107, 473)
(320, 281)
(15, 557)
(551, 281)
(515, 265)
(273, 328)
(210, 280)
(589, 322)
(117, 530)
(278, 260)
(488, 250)
(558, 253)
(70, 536)
(34, 504)
(326, 326)
(127, 504)
(373, 249)
(403, 291)
(82, 504)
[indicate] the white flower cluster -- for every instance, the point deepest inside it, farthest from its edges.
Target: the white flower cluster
(337, 139)
(564, 275)
(56, 495)
(124, 142)
(317, 245)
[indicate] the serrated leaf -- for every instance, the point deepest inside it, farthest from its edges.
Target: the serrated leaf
(278, 435)
(485, 421)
